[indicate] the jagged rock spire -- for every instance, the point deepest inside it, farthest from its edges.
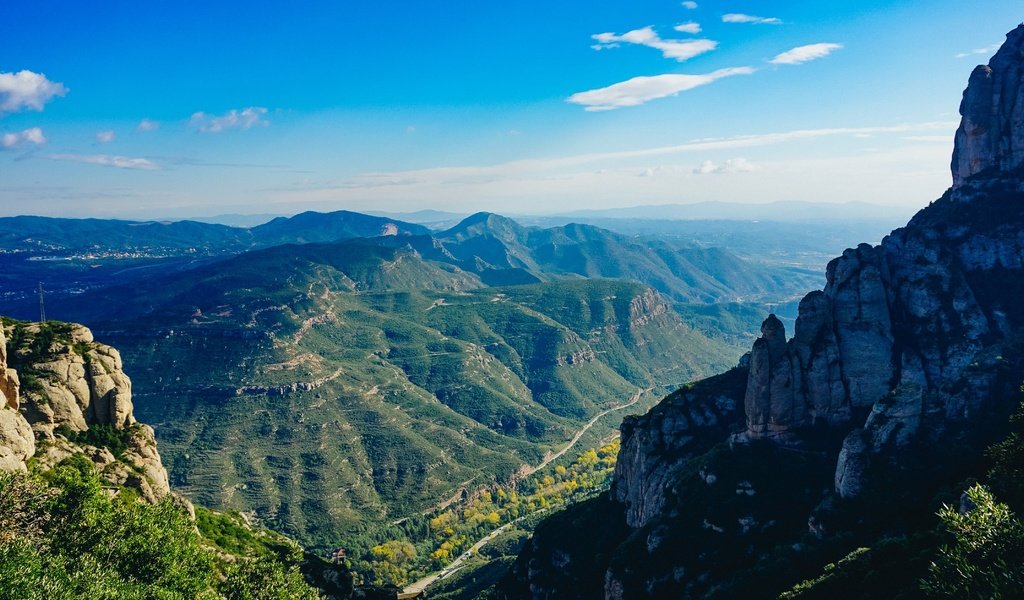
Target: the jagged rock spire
(991, 132)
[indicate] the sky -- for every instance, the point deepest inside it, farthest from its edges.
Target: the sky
(179, 109)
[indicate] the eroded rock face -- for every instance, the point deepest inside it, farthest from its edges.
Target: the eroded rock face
(9, 383)
(76, 384)
(990, 135)
(17, 443)
(682, 426)
(81, 384)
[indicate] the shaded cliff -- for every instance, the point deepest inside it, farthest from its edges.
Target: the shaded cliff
(899, 373)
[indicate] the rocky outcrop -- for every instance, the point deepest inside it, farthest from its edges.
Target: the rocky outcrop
(990, 136)
(9, 383)
(70, 384)
(17, 443)
(655, 445)
(80, 383)
(646, 308)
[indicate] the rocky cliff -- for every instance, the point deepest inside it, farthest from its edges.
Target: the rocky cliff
(67, 395)
(902, 368)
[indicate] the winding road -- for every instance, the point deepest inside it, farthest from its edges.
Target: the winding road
(415, 589)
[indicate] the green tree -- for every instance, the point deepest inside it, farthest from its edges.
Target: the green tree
(983, 559)
(265, 579)
(1007, 473)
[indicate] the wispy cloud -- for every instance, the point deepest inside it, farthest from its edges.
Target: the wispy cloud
(146, 125)
(732, 165)
(34, 136)
(690, 4)
(246, 118)
(742, 18)
(680, 50)
(931, 139)
(638, 90)
(121, 162)
(802, 54)
(986, 50)
(688, 27)
(27, 90)
(448, 174)
(105, 137)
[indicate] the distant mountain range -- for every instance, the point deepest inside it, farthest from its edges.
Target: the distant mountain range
(72, 255)
(747, 211)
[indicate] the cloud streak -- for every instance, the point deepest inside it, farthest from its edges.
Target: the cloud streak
(742, 18)
(976, 51)
(11, 141)
(638, 90)
(680, 50)
(732, 165)
(121, 162)
(442, 175)
(105, 137)
(688, 27)
(247, 118)
(689, 4)
(802, 54)
(26, 90)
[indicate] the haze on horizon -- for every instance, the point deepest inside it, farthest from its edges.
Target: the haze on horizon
(188, 109)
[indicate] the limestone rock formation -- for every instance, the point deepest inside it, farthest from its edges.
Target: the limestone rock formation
(17, 443)
(990, 135)
(80, 383)
(682, 426)
(69, 384)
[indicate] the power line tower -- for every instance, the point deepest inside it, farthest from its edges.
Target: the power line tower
(42, 307)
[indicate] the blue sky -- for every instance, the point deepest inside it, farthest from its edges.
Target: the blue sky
(174, 109)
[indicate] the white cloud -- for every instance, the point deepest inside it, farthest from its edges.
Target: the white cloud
(732, 165)
(742, 18)
(802, 54)
(10, 141)
(638, 90)
(121, 162)
(678, 49)
(985, 50)
(233, 119)
(688, 27)
(27, 90)
(105, 137)
(147, 125)
(690, 4)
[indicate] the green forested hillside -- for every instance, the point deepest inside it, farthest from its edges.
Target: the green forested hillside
(325, 386)
(66, 534)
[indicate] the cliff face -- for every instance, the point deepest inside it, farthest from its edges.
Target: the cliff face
(17, 443)
(907, 361)
(990, 135)
(59, 384)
